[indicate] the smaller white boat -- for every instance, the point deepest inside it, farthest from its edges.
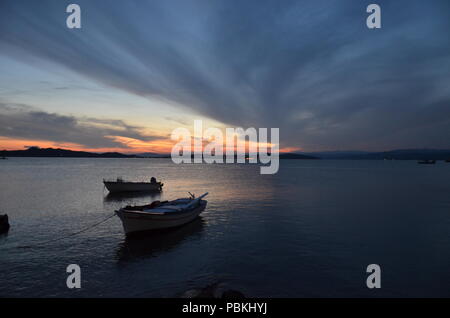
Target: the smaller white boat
(161, 215)
(120, 186)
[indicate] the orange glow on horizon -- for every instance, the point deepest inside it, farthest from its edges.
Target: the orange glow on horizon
(130, 145)
(290, 149)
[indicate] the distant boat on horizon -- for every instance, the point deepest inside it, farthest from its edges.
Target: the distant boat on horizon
(121, 186)
(427, 162)
(4, 223)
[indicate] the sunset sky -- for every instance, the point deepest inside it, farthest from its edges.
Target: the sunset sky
(138, 69)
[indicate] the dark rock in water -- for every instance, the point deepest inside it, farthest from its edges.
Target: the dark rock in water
(216, 290)
(4, 224)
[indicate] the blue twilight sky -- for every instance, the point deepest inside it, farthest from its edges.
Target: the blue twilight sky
(138, 69)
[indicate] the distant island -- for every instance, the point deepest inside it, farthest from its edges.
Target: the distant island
(291, 155)
(52, 152)
(65, 153)
(404, 154)
(399, 154)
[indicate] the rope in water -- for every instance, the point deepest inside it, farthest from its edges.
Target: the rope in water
(70, 235)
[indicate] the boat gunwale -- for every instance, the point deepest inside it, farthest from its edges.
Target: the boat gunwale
(174, 212)
(171, 218)
(132, 182)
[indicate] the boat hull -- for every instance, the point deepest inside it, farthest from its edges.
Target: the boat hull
(137, 221)
(120, 187)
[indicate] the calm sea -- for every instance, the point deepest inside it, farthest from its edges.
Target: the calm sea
(310, 230)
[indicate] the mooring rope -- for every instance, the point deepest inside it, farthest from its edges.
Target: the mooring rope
(70, 235)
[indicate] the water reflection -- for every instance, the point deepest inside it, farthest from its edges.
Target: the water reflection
(121, 197)
(152, 243)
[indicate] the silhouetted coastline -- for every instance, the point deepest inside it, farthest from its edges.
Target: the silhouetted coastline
(400, 154)
(52, 152)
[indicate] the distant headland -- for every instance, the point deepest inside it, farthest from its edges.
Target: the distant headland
(65, 153)
(52, 152)
(398, 154)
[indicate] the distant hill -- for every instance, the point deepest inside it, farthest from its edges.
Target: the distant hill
(152, 155)
(52, 152)
(400, 154)
(341, 154)
(296, 156)
(282, 156)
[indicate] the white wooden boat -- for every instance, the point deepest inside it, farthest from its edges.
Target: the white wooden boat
(119, 186)
(161, 215)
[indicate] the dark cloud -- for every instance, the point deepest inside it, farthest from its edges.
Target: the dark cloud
(311, 68)
(21, 121)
